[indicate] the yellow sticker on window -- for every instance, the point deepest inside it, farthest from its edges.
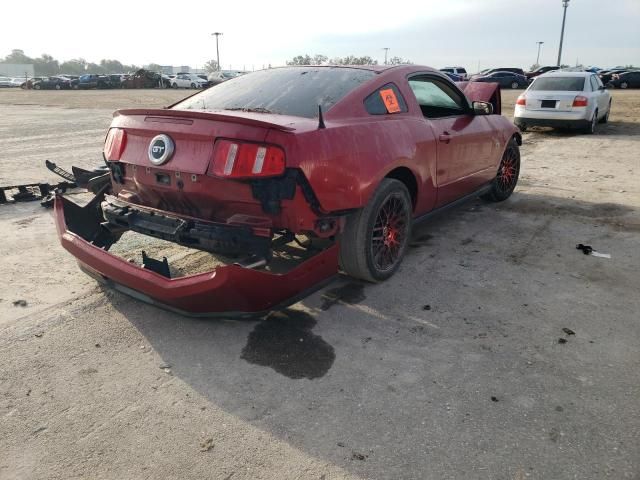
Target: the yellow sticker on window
(390, 100)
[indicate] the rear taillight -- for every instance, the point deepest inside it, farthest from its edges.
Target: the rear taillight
(580, 101)
(522, 100)
(234, 159)
(114, 144)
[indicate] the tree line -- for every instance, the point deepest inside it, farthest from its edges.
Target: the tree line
(46, 65)
(319, 59)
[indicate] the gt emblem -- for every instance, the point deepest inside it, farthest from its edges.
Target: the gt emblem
(160, 149)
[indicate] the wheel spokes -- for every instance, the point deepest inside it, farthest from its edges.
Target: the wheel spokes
(389, 232)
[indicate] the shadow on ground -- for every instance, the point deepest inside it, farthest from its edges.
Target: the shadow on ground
(452, 367)
(621, 128)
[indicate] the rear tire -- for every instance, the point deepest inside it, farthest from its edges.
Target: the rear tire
(605, 119)
(375, 238)
(507, 177)
(193, 85)
(624, 85)
(175, 85)
(514, 85)
(591, 128)
(36, 86)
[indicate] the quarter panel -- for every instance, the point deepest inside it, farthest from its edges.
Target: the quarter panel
(345, 162)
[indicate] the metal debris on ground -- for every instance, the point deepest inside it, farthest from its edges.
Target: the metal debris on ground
(588, 250)
(92, 180)
(31, 192)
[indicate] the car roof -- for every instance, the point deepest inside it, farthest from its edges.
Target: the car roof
(374, 68)
(562, 73)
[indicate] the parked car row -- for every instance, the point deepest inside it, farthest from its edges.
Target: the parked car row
(8, 82)
(514, 77)
(140, 79)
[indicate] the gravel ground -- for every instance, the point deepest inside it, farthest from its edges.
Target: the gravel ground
(456, 368)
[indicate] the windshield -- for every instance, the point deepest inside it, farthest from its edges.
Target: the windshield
(558, 84)
(293, 91)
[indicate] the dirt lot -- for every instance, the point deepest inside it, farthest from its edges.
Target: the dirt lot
(452, 369)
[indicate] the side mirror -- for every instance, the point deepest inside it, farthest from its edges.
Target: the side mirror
(482, 108)
(602, 87)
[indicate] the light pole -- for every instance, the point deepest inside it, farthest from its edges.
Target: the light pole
(386, 50)
(217, 34)
(565, 4)
(538, 59)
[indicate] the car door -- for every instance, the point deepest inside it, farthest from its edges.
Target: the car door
(598, 95)
(466, 143)
(506, 79)
(500, 78)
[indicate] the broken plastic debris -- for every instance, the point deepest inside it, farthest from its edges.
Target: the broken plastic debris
(588, 250)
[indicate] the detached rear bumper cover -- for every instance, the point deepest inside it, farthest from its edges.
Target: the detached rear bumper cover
(227, 291)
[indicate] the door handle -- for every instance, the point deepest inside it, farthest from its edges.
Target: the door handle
(445, 137)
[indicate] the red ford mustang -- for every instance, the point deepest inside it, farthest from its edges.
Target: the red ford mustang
(349, 157)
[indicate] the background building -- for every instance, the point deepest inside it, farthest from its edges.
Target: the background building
(16, 70)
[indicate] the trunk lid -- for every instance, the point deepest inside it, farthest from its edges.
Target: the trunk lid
(194, 133)
(558, 101)
(182, 185)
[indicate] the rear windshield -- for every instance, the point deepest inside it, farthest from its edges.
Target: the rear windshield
(558, 84)
(287, 91)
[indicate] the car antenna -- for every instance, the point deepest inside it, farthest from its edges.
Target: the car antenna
(320, 118)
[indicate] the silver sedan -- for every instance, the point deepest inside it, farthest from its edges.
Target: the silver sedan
(563, 99)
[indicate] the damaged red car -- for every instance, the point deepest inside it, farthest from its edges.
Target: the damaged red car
(334, 163)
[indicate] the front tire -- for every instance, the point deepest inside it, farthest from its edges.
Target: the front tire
(508, 173)
(375, 238)
(624, 85)
(175, 85)
(514, 85)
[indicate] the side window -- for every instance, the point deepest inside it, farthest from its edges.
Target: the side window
(437, 99)
(594, 84)
(386, 99)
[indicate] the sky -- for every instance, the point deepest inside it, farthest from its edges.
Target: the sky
(257, 33)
